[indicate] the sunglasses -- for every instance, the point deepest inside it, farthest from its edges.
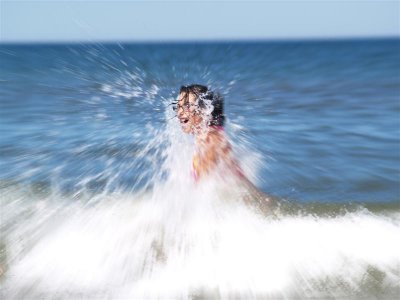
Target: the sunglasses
(176, 106)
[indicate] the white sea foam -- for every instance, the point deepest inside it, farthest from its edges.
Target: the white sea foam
(186, 240)
(168, 245)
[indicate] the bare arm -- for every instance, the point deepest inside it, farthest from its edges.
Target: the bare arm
(216, 149)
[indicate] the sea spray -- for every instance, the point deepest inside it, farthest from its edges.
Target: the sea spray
(182, 239)
(97, 197)
(170, 244)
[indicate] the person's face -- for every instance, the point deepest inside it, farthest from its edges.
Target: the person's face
(188, 113)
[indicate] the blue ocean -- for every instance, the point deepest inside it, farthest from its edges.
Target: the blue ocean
(97, 200)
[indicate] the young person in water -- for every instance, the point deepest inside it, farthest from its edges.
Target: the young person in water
(201, 113)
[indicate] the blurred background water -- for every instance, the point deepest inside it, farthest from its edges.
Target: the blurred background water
(96, 195)
(324, 116)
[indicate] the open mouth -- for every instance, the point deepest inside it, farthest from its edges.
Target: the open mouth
(184, 121)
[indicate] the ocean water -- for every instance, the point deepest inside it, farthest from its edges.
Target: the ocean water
(97, 200)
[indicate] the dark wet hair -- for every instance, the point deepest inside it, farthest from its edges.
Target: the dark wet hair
(203, 93)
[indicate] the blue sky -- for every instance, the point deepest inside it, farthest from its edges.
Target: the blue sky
(33, 21)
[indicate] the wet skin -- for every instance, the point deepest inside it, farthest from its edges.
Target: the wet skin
(189, 114)
(212, 146)
(213, 149)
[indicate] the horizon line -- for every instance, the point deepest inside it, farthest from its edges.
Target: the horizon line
(190, 41)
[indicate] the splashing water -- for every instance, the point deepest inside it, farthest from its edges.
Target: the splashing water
(169, 237)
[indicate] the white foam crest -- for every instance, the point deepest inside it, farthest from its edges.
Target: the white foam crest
(166, 245)
(185, 240)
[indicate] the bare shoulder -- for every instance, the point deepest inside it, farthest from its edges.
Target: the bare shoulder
(218, 141)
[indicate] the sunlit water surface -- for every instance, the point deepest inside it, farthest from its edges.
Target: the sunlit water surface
(97, 200)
